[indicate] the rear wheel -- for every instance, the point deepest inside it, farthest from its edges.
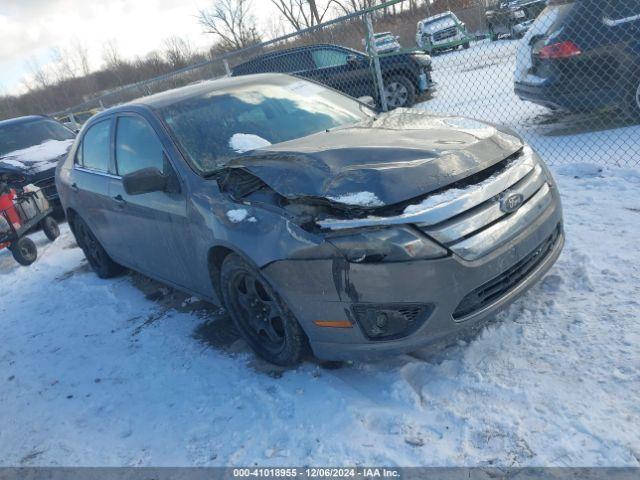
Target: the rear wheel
(466, 45)
(96, 255)
(399, 92)
(260, 315)
(24, 251)
(50, 228)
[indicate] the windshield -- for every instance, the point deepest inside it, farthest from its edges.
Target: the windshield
(18, 136)
(218, 126)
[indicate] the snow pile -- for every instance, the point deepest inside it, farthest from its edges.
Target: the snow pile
(245, 142)
(239, 215)
(38, 156)
(101, 375)
(360, 199)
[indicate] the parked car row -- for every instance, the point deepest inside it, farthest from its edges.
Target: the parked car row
(405, 75)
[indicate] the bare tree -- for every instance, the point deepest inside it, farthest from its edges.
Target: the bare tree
(302, 14)
(111, 55)
(232, 22)
(178, 51)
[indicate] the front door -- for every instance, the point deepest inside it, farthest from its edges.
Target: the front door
(153, 226)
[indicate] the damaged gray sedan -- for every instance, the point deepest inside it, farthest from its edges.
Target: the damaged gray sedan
(316, 221)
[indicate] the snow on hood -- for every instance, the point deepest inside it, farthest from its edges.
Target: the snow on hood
(38, 157)
(395, 157)
(360, 199)
(245, 142)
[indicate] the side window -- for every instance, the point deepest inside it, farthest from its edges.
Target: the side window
(622, 9)
(137, 146)
(329, 58)
(94, 151)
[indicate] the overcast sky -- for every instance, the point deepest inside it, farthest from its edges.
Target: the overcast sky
(31, 29)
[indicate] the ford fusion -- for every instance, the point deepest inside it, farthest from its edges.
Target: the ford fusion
(316, 221)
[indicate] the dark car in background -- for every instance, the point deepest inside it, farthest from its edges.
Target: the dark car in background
(316, 220)
(583, 55)
(30, 148)
(405, 75)
(513, 17)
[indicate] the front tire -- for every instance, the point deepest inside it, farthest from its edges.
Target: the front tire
(399, 92)
(100, 262)
(259, 313)
(24, 251)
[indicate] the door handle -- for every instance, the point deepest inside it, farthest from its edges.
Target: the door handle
(120, 202)
(74, 187)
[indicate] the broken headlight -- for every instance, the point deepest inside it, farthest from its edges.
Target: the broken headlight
(396, 244)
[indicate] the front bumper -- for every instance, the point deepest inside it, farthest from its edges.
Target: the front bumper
(329, 289)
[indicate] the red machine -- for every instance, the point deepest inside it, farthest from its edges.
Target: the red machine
(19, 214)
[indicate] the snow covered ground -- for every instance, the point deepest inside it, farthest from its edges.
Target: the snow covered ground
(128, 372)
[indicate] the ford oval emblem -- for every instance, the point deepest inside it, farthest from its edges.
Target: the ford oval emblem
(511, 202)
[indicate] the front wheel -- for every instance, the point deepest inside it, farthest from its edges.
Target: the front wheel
(466, 45)
(100, 262)
(24, 251)
(399, 92)
(259, 314)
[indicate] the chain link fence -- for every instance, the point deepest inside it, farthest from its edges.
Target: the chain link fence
(564, 74)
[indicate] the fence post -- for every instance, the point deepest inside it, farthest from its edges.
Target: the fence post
(226, 67)
(373, 53)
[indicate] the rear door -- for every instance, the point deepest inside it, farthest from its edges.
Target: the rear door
(153, 227)
(90, 177)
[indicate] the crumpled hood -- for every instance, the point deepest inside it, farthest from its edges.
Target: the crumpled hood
(396, 157)
(37, 158)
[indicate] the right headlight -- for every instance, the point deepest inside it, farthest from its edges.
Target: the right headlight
(388, 244)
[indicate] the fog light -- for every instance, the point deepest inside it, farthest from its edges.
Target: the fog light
(381, 320)
(386, 322)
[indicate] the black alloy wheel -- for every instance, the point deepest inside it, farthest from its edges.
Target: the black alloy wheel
(260, 315)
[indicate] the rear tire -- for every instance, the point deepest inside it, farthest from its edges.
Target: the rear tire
(50, 228)
(466, 45)
(260, 315)
(100, 262)
(24, 251)
(399, 92)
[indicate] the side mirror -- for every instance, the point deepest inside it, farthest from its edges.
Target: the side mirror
(145, 181)
(368, 101)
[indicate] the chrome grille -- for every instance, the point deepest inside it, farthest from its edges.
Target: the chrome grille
(478, 229)
(444, 34)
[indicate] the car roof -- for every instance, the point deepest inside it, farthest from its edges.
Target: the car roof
(169, 97)
(19, 120)
(287, 51)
